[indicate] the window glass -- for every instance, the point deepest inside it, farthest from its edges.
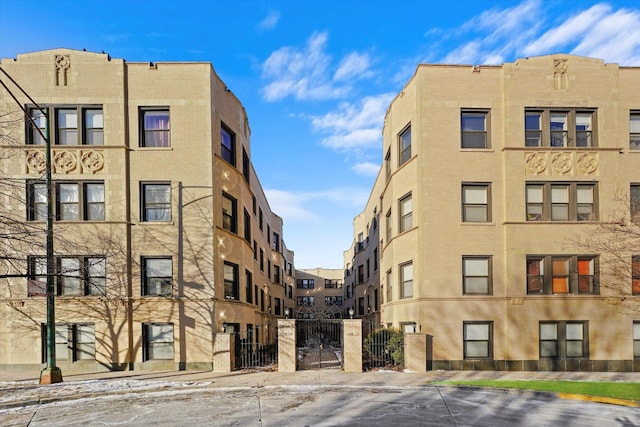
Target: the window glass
(634, 131)
(62, 342)
(560, 267)
(559, 203)
(476, 275)
(636, 339)
(475, 203)
(156, 128)
(583, 129)
(94, 124)
(534, 202)
(558, 126)
(85, 342)
(159, 341)
(157, 202)
(67, 127)
(533, 128)
(406, 209)
(40, 202)
(474, 129)
(41, 122)
(96, 276)
(68, 202)
(158, 276)
(94, 201)
(227, 146)
(405, 146)
(584, 197)
(70, 277)
(407, 280)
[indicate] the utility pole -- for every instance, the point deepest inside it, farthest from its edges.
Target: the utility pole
(51, 374)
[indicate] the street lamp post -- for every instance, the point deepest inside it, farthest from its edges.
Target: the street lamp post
(351, 312)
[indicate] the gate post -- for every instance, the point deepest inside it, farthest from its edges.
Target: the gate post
(415, 352)
(352, 345)
(223, 352)
(286, 345)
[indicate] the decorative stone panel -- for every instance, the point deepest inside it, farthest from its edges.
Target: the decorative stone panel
(65, 161)
(561, 163)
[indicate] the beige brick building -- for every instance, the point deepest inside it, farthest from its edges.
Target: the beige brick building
(319, 294)
(490, 176)
(164, 237)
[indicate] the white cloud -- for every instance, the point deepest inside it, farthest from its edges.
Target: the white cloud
(366, 169)
(270, 21)
(354, 126)
(304, 73)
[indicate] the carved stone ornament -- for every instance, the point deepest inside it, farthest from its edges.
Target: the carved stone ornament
(536, 163)
(63, 63)
(587, 163)
(36, 161)
(561, 163)
(560, 78)
(92, 161)
(64, 161)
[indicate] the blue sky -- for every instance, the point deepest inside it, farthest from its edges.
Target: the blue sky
(316, 76)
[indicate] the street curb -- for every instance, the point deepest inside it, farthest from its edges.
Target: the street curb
(598, 399)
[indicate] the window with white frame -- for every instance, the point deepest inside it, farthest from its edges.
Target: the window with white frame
(476, 275)
(562, 274)
(70, 125)
(406, 280)
(74, 342)
(475, 202)
(560, 127)
(406, 212)
(157, 341)
(156, 201)
(478, 340)
(157, 276)
(560, 201)
(564, 340)
(73, 201)
(154, 125)
(474, 128)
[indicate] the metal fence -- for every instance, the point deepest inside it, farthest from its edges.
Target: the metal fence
(253, 355)
(381, 347)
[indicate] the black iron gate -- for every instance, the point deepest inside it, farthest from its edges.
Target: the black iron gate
(319, 344)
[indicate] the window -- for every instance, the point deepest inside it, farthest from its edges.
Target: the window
(474, 129)
(231, 281)
(75, 342)
(405, 145)
(636, 339)
(228, 145)
(635, 274)
(634, 202)
(564, 340)
(276, 242)
(229, 213)
(70, 125)
(361, 306)
(389, 286)
(360, 273)
(260, 225)
(157, 341)
(261, 259)
(387, 165)
(475, 203)
(306, 300)
(74, 201)
(406, 213)
(559, 128)
(246, 165)
(247, 226)
(476, 275)
(561, 201)
(634, 130)
(478, 338)
(562, 275)
(75, 276)
(157, 276)
(305, 283)
(155, 127)
(335, 300)
(278, 307)
(333, 283)
(248, 286)
(375, 259)
(406, 280)
(156, 202)
(389, 225)
(276, 274)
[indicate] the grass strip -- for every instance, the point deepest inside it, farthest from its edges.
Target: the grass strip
(615, 390)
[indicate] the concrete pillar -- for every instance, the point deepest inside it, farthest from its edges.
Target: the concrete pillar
(223, 352)
(352, 345)
(286, 345)
(415, 352)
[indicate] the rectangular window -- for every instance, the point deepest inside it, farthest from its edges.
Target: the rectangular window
(249, 286)
(406, 213)
(406, 280)
(155, 127)
(564, 340)
(389, 286)
(157, 276)
(70, 125)
(276, 242)
(276, 274)
(559, 128)
(475, 202)
(636, 339)
(634, 130)
(94, 127)
(387, 165)
(228, 145)
(389, 226)
(360, 273)
(569, 274)
(94, 201)
(333, 284)
(561, 201)
(634, 202)
(231, 281)
(478, 337)
(68, 202)
(361, 306)
(635, 274)
(74, 201)
(405, 145)
(75, 276)
(247, 226)
(246, 165)
(476, 275)
(75, 342)
(306, 300)
(278, 307)
(261, 259)
(157, 341)
(334, 300)
(305, 283)
(67, 121)
(474, 129)
(156, 202)
(40, 119)
(229, 213)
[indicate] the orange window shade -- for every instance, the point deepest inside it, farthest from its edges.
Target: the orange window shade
(560, 285)
(635, 286)
(584, 267)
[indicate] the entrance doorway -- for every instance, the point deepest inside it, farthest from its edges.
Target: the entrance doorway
(319, 344)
